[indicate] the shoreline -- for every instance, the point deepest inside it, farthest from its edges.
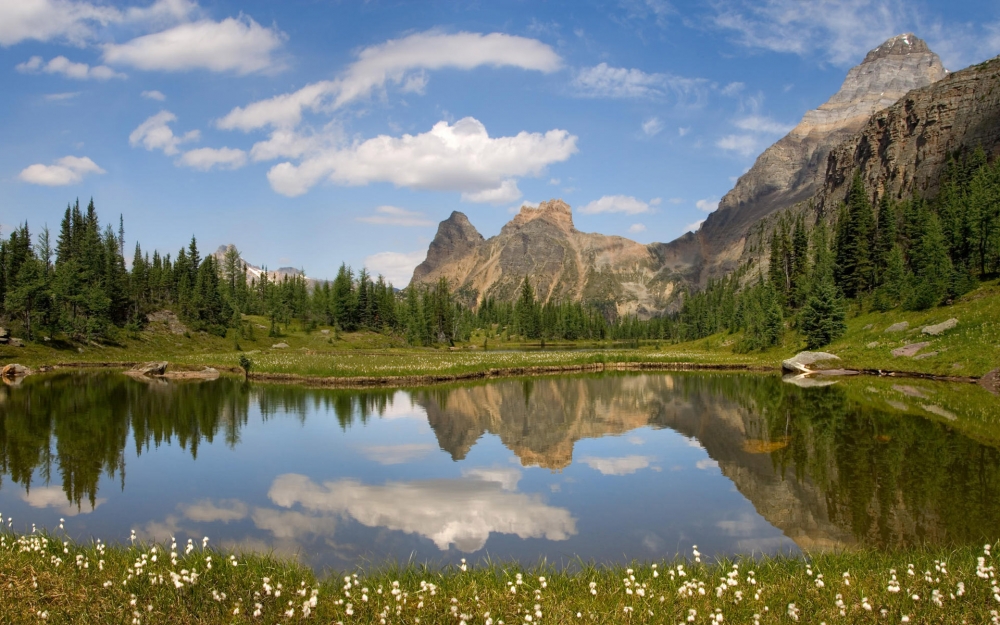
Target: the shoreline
(495, 373)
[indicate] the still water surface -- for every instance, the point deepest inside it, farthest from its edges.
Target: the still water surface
(608, 468)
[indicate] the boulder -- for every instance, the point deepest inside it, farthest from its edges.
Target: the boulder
(150, 368)
(324, 331)
(4, 336)
(15, 342)
(909, 350)
(15, 370)
(280, 346)
(898, 327)
(208, 373)
(925, 355)
(941, 328)
(804, 362)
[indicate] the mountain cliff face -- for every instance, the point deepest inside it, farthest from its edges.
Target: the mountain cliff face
(562, 263)
(794, 169)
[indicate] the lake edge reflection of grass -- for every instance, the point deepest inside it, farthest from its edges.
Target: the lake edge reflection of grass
(46, 579)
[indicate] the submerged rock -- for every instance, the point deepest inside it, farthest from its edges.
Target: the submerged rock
(804, 362)
(941, 328)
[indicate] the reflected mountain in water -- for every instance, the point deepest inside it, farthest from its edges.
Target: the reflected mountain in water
(864, 462)
(830, 467)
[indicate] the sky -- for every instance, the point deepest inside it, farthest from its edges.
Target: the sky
(310, 133)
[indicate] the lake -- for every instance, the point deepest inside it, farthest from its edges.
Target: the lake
(606, 467)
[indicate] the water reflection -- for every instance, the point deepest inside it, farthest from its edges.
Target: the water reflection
(732, 462)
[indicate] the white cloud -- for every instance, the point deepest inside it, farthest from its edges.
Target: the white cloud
(604, 81)
(732, 89)
(292, 525)
(617, 466)
(708, 204)
(397, 267)
(397, 454)
(55, 497)
(637, 228)
(394, 216)
(60, 97)
(506, 192)
(763, 125)
(207, 511)
(744, 145)
(67, 170)
(459, 157)
(234, 44)
(45, 20)
(506, 477)
(656, 201)
(155, 134)
(694, 227)
(401, 62)
(207, 158)
(706, 463)
(461, 512)
(683, 131)
(652, 126)
(616, 204)
(69, 69)
(153, 95)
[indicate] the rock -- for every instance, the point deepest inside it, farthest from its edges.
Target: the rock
(909, 350)
(941, 412)
(898, 327)
(4, 336)
(803, 361)
(169, 320)
(324, 331)
(150, 368)
(15, 342)
(804, 380)
(872, 345)
(991, 381)
(280, 346)
(925, 355)
(869, 326)
(941, 328)
(15, 370)
(208, 373)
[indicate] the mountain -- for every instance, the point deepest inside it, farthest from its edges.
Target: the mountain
(562, 262)
(794, 169)
(254, 272)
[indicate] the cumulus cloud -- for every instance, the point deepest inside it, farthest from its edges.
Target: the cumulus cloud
(207, 158)
(55, 497)
(763, 125)
(459, 157)
(67, 170)
(604, 81)
(652, 126)
(69, 69)
(207, 511)
(395, 216)
(708, 204)
(706, 463)
(156, 134)
(153, 95)
(397, 267)
(744, 145)
(402, 62)
(76, 22)
(617, 466)
(397, 454)
(506, 192)
(461, 512)
(239, 45)
(616, 204)
(694, 227)
(637, 228)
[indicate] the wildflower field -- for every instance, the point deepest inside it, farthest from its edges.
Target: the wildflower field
(47, 578)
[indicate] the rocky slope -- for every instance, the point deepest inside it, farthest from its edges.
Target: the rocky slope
(794, 169)
(562, 263)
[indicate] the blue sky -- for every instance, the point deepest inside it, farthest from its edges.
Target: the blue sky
(309, 133)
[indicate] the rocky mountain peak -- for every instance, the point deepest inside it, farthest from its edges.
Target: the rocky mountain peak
(555, 211)
(455, 238)
(900, 45)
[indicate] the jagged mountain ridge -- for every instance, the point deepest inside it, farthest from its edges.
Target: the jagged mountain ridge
(566, 264)
(561, 262)
(255, 272)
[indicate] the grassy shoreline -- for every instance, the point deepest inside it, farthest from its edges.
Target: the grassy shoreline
(46, 579)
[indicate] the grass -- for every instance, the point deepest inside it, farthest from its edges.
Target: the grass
(971, 349)
(46, 579)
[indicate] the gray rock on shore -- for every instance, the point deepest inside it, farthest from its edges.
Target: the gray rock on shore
(804, 362)
(941, 328)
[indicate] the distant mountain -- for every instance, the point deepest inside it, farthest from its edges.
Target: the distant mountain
(255, 272)
(562, 263)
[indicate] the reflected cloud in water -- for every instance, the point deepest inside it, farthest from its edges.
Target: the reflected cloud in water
(397, 454)
(55, 497)
(207, 511)
(461, 512)
(624, 465)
